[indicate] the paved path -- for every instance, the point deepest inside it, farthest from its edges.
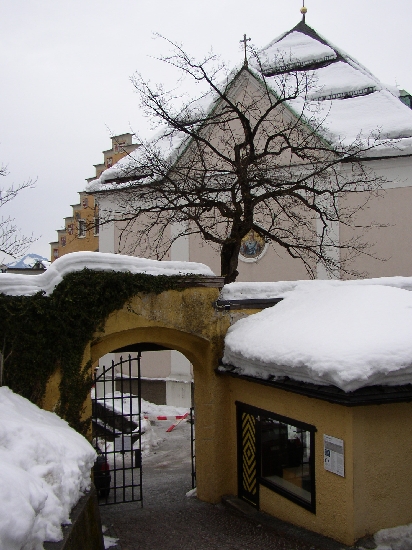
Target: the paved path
(171, 521)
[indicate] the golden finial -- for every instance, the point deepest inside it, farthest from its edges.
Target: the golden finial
(303, 10)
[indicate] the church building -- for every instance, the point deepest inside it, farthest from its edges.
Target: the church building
(351, 106)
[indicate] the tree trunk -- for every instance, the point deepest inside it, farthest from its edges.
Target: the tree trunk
(229, 259)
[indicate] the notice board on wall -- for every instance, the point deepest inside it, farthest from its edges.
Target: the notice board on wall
(334, 455)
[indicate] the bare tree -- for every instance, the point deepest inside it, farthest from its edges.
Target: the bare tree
(12, 242)
(246, 155)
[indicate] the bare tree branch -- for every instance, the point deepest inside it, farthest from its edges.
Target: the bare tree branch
(239, 158)
(12, 242)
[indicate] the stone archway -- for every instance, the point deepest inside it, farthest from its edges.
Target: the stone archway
(185, 321)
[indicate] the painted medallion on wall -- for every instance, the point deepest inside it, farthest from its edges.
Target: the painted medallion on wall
(253, 247)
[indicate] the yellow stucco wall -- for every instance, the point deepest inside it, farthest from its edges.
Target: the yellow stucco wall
(334, 502)
(377, 487)
(376, 491)
(382, 437)
(187, 322)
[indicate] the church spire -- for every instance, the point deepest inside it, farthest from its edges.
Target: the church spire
(303, 11)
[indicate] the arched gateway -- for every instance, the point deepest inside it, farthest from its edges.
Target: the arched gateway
(186, 321)
(314, 455)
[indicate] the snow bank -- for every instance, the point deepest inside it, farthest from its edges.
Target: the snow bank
(16, 285)
(397, 538)
(45, 469)
(347, 335)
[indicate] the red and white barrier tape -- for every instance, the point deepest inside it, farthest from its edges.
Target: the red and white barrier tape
(177, 417)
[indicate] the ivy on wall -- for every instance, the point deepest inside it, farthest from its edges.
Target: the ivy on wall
(42, 333)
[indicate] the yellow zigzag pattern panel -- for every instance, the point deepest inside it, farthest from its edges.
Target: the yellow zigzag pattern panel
(249, 453)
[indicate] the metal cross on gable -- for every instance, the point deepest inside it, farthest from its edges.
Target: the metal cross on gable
(245, 41)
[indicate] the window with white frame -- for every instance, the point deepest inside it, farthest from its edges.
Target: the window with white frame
(81, 228)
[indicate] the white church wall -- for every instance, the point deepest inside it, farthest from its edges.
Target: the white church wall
(391, 245)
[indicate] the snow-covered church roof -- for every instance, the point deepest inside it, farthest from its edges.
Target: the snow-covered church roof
(349, 101)
(348, 98)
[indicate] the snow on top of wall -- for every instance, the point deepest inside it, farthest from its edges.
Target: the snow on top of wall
(349, 334)
(16, 285)
(45, 469)
(279, 289)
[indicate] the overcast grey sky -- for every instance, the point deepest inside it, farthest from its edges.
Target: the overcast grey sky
(65, 70)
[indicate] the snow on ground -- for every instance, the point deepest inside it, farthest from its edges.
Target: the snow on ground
(45, 469)
(397, 538)
(348, 334)
(16, 285)
(109, 542)
(127, 405)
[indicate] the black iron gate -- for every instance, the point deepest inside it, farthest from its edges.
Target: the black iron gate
(117, 429)
(192, 446)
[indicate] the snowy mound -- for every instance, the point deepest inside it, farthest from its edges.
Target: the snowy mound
(16, 285)
(346, 335)
(45, 469)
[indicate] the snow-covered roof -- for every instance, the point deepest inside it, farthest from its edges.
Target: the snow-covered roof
(16, 285)
(294, 50)
(344, 101)
(348, 334)
(29, 261)
(352, 100)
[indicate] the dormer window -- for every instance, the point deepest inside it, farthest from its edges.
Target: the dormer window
(406, 98)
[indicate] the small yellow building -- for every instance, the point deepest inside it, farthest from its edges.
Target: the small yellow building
(335, 462)
(364, 486)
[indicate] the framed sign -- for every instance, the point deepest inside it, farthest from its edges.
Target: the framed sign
(334, 455)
